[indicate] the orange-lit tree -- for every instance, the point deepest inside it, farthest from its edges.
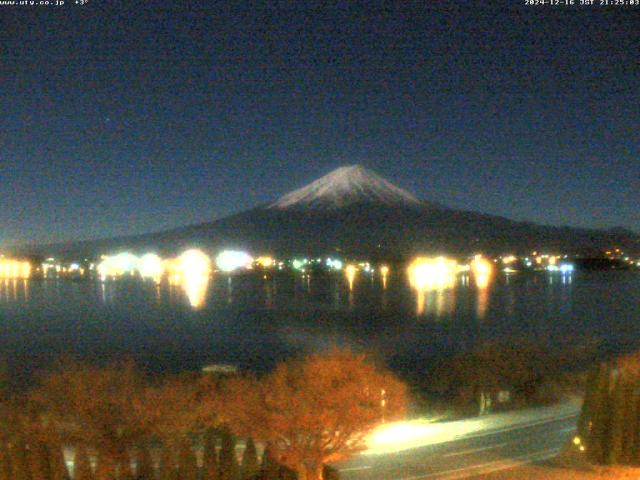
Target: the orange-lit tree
(608, 426)
(82, 465)
(95, 407)
(314, 410)
(11, 428)
(172, 408)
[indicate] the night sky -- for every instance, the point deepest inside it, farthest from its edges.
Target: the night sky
(128, 117)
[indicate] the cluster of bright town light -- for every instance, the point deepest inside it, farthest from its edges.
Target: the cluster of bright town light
(551, 263)
(50, 265)
(304, 264)
(11, 268)
(150, 266)
(440, 273)
(191, 262)
(190, 270)
(424, 272)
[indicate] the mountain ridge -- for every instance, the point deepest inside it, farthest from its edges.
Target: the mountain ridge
(355, 211)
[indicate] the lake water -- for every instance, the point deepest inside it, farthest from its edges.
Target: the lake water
(252, 322)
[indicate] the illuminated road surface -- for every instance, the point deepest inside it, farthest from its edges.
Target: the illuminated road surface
(476, 447)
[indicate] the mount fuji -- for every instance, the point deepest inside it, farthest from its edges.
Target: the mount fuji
(347, 186)
(354, 211)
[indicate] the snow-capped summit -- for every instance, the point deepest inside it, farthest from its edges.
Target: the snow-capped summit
(346, 186)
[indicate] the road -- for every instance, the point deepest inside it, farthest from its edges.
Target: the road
(495, 443)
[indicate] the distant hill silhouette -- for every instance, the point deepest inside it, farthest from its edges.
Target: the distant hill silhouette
(354, 211)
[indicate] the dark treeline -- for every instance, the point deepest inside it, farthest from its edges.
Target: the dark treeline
(114, 423)
(510, 373)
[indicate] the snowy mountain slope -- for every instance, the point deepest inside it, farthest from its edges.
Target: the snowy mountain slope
(346, 186)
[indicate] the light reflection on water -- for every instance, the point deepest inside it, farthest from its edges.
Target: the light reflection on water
(14, 290)
(328, 291)
(253, 321)
(435, 303)
(482, 293)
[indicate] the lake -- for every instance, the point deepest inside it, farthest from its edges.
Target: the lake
(252, 322)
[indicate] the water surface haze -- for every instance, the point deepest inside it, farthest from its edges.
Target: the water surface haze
(252, 321)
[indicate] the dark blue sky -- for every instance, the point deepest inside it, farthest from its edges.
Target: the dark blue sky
(131, 118)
